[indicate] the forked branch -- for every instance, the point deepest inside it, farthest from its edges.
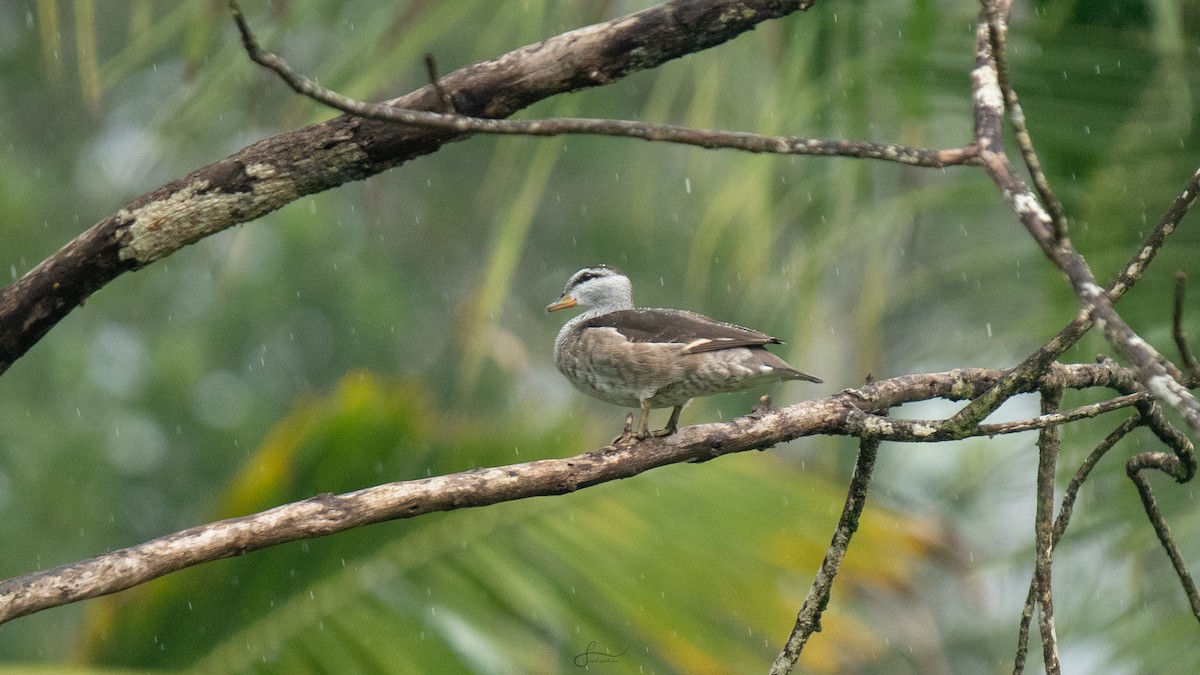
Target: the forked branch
(558, 126)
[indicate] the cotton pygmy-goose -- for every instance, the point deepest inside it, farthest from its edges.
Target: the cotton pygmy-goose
(655, 358)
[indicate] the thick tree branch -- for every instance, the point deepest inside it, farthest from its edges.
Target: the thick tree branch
(276, 171)
(327, 514)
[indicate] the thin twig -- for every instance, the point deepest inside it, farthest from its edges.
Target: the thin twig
(809, 619)
(1059, 418)
(1180, 464)
(1060, 527)
(1071, 493)
(667, 133)
(997, 19)
(1049, 446)
(1181, 341)
(1166, 226)
(933, 431)
(442, 94)
(1150, 504)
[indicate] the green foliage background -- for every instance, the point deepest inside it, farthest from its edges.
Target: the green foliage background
(393, 329)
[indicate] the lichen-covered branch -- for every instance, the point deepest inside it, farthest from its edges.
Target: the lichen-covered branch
(1060, 526)
(1159, 375)
(1049, 446)
(996, 14)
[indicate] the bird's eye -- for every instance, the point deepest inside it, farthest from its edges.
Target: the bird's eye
(586, 276)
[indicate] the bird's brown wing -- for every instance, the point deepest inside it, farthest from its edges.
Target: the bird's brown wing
(671, 326)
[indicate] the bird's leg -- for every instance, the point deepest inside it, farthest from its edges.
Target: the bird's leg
(644, 421)
(672, 424)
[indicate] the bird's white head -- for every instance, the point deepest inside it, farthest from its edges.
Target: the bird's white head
(601, 288)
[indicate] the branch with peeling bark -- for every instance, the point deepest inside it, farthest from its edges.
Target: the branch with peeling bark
(1158, 374)
(842, 414)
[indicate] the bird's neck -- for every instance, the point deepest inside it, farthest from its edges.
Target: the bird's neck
(613, 302)
(590, 313)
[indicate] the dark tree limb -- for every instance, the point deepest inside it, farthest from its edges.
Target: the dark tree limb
(276, 171)
(430, 65)
(558, 126)
(327, 514)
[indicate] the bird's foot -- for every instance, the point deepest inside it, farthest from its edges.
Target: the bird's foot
(666, 431)
(627, 435)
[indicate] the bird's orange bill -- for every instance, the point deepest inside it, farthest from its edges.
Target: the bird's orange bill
(565, 302)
